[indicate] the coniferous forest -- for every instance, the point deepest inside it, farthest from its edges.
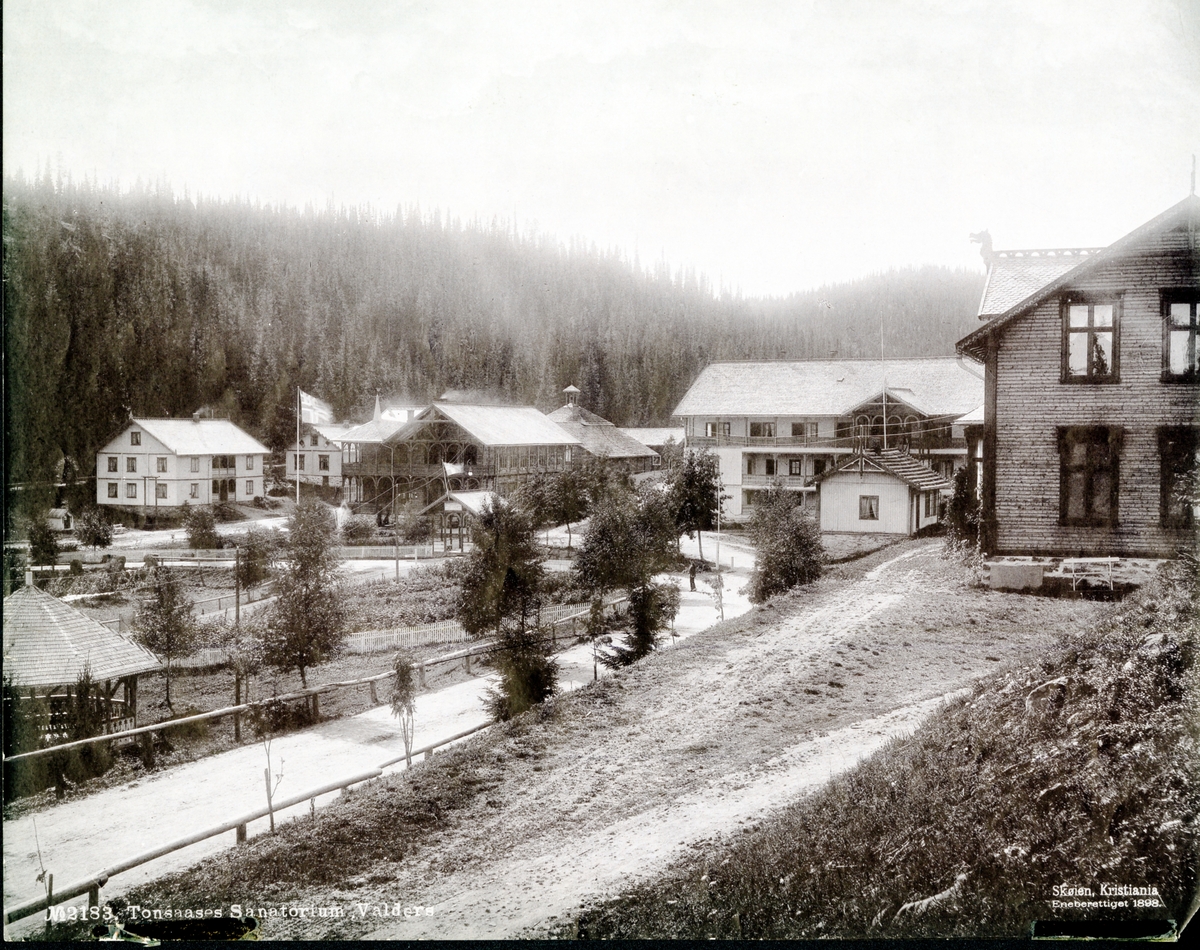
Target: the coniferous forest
(155, 304)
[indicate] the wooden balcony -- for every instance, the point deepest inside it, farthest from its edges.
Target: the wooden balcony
(791, 482)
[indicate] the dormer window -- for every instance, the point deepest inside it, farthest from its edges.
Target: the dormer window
(1091, 338)
(1181, 313)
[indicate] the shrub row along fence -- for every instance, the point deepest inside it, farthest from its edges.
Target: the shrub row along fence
(91, 885)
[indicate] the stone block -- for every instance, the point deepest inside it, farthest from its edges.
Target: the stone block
(1005, 576)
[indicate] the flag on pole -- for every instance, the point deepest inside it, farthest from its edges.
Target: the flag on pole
(313, 410)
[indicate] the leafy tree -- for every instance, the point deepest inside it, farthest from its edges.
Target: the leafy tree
(43, 544)
(568, 499)
(201, 529)
(962, 516)
(165, 622)
(695, 486)
(788, 545)
(404, 700)
(308, 618)
(257, 550)
(92, 528)
(501, 596)
(630, 539)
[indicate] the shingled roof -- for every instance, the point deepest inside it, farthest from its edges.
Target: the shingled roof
(1014, 275)
(199, 436)
(934, 386)
(498, 425)
(894, 462)
(48, 643)
(599, 436)
(1185, 214)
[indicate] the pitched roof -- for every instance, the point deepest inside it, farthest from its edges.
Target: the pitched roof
(598, 436)
(1014, 275)
(202, 436)
(654, 436)
(501, 425)
(1185, 213)
(48, 643)
(377, 431)
(332, 431)
(934, 386)
(972, 418)
(472, 501)
(894, 462)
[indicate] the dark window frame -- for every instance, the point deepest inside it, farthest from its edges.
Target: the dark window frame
(113, 491)
(766, 430)
(868, 516)
(1175, 441)
(1188, 295)
(135, 438)
(112, 463)
(1112, 437)
(1117, 302)
(769, 466)
(795, 468)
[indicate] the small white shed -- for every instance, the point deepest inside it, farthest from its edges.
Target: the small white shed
(882, 492)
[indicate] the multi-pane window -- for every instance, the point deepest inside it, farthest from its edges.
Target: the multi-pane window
(194, 490)
(804, 430)
(868, 507)
(131, 490)
(1181, 315)
(1179, 458)
(112, 463)
(131, 463)
(1090, 341)
(135, 438)
(161, 464)
(249, 463)
(314, 440)
(250, 489)
(112, 489)
(796, 467)
(762, 430)
(300, 463)
(712, 428)
(929, 504)
(323, 462)
(1088, 475)
(160, 491)
(195, 463)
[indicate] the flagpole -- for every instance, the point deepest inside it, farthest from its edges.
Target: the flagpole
(298, 410)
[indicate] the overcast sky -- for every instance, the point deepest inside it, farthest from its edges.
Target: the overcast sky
(774, 146)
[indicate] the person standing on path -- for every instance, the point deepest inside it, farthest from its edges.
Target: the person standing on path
(692, 575)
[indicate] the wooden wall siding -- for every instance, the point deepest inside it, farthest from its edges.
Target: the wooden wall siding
(839, 503)
(1031, 402)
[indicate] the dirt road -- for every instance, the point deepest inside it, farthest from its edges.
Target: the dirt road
(695, 743)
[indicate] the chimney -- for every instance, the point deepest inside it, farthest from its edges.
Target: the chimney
(378, 410)
(29, 578)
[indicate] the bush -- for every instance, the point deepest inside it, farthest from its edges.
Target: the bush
(92, 528)
(788, 543)
(358, 529)
(201, 529)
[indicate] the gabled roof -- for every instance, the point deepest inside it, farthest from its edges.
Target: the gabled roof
(199, 436)
(1185, 213)
(1014, 275)
(376, 432)
(933, 385)
(497, 425)
(893, 462)
(655, 436)
(973, 418)
(471, 501)
(598, 436)
(333, 431)
(48, 643)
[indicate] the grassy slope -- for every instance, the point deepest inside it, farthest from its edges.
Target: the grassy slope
(991, 803)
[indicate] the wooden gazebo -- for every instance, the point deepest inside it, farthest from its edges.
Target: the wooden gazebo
(47, 647)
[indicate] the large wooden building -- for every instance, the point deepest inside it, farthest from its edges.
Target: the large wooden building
(451, 447)
(1092, 394)
(167, 463)
(601, 439)
(785, 422)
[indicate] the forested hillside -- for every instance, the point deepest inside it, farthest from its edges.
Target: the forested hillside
(156, 304)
